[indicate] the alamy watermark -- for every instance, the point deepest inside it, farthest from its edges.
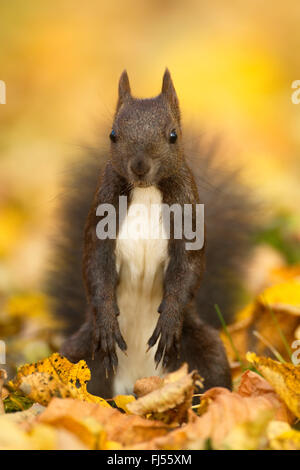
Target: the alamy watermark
(154, 221)
(2, 92)
(296, 94)
(296, 354)
(2, 353)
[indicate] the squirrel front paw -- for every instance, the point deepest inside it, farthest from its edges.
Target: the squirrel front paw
(106, 334)
(168, 329)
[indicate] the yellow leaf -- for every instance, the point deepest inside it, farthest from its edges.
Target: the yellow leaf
(250, 435)
(284, 378)
(283, 300)
(55, 376)
(283, 297)
(12, 437)
(282, 437)
(43, 437)
(122, 401)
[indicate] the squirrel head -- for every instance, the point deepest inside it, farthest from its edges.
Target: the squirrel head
(146, 142)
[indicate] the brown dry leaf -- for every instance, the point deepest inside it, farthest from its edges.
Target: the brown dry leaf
(55, 376)
(253, 385)
(284, 301)
(118, 429)
(222, 411)
(171, 401)
(284, 378)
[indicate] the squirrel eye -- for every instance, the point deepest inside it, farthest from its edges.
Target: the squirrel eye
(173, 136)
(113, 136)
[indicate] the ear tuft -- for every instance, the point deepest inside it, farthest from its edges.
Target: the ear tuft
(124, 88)
(167, 83)
(169, 92)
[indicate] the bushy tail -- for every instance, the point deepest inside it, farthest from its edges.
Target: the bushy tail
(64, 283)
(228, 218)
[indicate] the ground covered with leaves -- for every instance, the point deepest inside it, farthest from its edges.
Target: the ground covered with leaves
(260, 414)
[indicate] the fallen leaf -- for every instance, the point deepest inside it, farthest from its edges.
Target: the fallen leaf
(119, 429)
(12, 437)
(281, 300)
(222, 411)
(55, 376)
(171, 401)
(282, 437)
(284, 378)
(253, 385)
(123, 400)
(3, 376)
(249, 435)
(45, 437)
(25, 418)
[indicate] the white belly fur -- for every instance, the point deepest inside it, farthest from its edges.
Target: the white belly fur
(141, 263)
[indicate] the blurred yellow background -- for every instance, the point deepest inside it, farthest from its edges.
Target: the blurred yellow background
(232, 63)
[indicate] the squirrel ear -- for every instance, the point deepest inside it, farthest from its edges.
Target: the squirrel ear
(124, 89)
(168, 90)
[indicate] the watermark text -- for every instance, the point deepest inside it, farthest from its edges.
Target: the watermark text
(2, 92)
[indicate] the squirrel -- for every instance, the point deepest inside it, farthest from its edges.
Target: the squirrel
(149, 301)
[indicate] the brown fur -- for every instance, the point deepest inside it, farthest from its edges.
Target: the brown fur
(142, 155)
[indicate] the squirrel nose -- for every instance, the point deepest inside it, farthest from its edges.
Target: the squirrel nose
(140, 167)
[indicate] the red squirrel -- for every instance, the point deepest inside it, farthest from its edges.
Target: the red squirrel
(147, 300)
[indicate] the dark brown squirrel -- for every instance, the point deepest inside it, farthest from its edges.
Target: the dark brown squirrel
(144, 307)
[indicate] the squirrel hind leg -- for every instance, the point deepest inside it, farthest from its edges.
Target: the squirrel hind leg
(203, 350)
